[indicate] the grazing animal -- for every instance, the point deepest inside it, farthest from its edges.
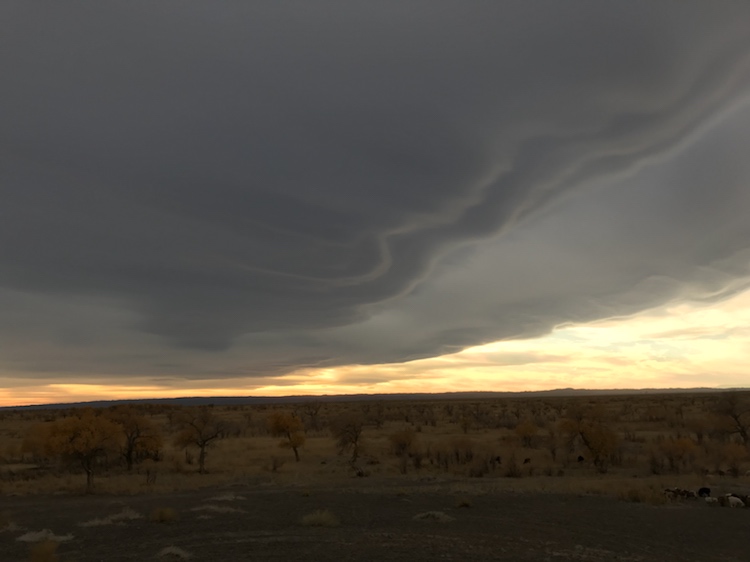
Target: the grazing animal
(710, 500)
(734, 501)
(526, 461)
(580, 458)
(704, 492)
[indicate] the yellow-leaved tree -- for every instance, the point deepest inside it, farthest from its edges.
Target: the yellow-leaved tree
(290, 428)
(86, 437)
(590, 426)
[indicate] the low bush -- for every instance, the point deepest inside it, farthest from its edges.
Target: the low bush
(320, 518)
(164, 515)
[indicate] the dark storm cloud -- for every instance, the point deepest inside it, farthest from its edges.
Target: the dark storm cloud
(299, 184)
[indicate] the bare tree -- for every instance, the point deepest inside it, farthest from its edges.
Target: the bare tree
(199, 427)
(311, 410)
(141, 437)
(734, 408)
(347, 430)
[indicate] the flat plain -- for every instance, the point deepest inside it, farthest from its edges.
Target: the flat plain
(516, 479)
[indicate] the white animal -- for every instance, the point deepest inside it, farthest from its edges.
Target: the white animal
(735, 501)
(711, 500)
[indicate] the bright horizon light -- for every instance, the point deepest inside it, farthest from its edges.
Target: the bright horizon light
(703, 344)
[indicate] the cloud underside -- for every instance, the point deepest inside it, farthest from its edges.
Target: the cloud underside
(229, 189)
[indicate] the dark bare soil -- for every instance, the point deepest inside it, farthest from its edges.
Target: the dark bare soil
(379, 525)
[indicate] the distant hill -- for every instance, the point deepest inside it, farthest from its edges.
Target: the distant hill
(479, 395)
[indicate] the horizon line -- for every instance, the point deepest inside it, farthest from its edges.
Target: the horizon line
(364, 395)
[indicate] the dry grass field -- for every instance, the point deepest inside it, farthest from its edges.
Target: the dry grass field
(523, 478)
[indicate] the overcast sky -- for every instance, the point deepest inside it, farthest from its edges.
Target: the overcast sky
(215, 191)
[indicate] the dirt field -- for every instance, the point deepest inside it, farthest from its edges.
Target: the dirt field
(262, 521)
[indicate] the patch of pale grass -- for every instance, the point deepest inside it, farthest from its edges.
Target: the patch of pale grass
(43, 535)
(320, 518)
(127, 514)
(44, 552)
(438, 516)
(174, 553)
(163, 515)
(218, 509)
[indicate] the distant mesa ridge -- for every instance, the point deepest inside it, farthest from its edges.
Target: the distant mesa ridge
(248, 400)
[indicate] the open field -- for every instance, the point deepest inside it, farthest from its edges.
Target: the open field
(516, 479)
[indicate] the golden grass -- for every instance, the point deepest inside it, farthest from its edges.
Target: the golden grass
(486, 454)
(320, 518)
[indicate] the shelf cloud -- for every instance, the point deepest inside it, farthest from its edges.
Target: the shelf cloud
(231, 189)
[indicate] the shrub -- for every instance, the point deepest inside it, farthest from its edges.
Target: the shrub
(44, 552)
(463, 502)
(678, 452)
(526, 431)
(735, 454)
(480, 467)
(275, 464)
(320, 518)
(648, 495)
(164, 515)
(601, 441)
(513, 469)
(402, 444)
(462, 450)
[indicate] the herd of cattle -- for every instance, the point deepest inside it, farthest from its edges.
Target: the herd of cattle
(727, 500)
